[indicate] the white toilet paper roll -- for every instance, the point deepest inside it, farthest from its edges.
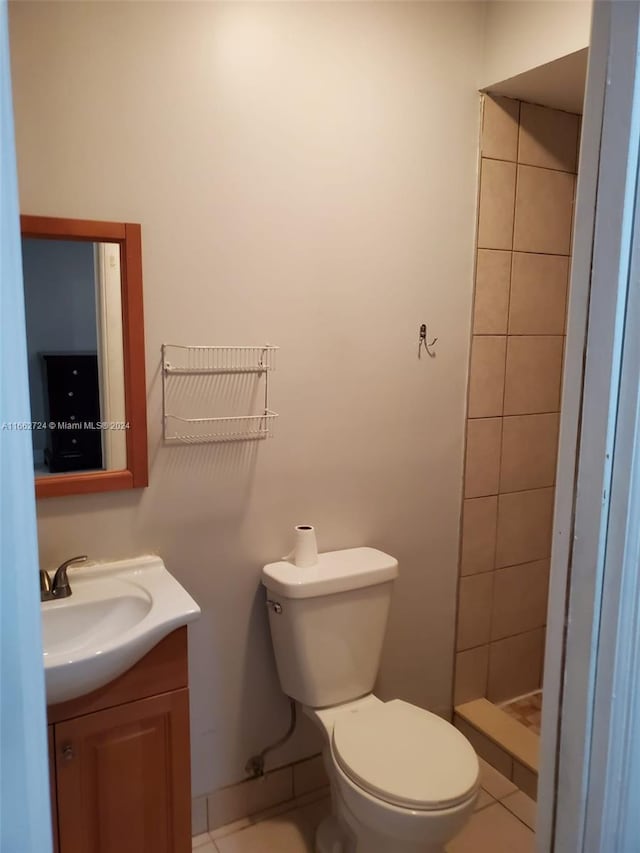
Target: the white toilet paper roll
(305, 551)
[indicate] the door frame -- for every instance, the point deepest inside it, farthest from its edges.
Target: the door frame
(593, 622)
(110, 352)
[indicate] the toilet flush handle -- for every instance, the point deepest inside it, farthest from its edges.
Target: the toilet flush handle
(274, 605)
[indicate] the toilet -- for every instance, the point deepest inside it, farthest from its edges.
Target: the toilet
(403, 780)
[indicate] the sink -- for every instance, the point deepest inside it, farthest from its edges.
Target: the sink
(79, 622)
(117, 612)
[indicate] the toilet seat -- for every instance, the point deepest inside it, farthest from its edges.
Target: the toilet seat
(405, 756)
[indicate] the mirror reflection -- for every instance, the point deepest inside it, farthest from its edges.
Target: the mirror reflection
(73, 308)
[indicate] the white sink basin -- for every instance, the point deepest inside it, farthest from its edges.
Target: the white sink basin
(117, 612)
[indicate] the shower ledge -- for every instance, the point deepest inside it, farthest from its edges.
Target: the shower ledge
(521, 743)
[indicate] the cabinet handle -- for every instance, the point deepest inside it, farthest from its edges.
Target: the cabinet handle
(67, 752)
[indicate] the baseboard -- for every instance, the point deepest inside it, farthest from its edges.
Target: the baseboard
(280, 787)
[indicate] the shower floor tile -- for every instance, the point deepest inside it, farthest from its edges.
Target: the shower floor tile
(527, 710)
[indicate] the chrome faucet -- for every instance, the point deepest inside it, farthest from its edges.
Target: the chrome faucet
(45, 586)
(59, 587)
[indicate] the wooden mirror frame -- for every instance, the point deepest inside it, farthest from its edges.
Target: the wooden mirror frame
(128, 236)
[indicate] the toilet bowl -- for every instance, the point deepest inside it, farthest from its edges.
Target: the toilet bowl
(403, 780)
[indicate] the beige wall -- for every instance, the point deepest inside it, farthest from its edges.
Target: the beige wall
(529, 161)
(523, 34)
(305, 174)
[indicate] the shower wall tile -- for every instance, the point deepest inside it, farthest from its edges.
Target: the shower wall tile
(500, 128)
(515, 665)
(524, 527)
(544, 211)
(474, 613)
(472, 667)
(533, 374)
(486, 375)
(491, 302)
(538, 296)
(529, 452)
(483, 457)
(548, 138)
(497, 192)
(479, 522)
(525, 211)
(519, 599)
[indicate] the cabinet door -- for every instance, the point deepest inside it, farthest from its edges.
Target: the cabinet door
(123, 778)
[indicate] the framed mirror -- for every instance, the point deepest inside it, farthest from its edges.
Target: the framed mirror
(85, 341)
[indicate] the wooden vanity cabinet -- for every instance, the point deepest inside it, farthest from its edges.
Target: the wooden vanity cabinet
(121, 760)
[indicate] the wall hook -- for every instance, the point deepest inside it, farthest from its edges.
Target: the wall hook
(423, 342)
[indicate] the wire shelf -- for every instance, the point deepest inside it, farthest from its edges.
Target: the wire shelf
(203, 430)
(179, 361)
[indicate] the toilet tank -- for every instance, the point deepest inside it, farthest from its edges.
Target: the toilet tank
(328, 623)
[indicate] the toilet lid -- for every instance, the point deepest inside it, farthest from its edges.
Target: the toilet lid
(406, 756)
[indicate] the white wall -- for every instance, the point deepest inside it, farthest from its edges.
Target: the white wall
(523, 34)
(305, 174)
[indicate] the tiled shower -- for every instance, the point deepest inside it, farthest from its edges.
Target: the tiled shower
(527, 185)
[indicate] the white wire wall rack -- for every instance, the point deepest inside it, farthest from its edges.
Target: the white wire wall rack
(216, 362)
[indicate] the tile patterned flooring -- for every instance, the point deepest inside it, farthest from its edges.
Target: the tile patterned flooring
(503, 822)
(526, 710)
